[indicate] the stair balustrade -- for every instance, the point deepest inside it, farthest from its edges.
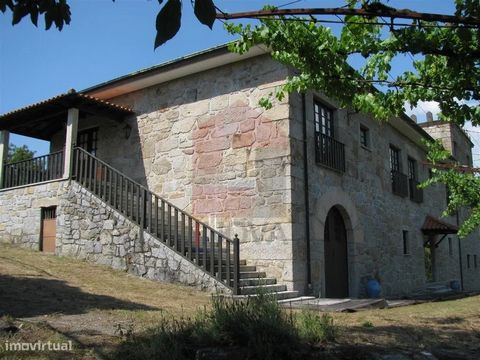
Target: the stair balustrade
(193, 239)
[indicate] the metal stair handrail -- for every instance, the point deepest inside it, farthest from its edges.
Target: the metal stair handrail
(196, 241)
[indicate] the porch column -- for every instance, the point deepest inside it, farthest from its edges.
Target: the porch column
(4, 142)
(70, 142)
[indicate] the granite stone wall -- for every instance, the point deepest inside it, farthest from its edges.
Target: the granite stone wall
(374, 217)
(203, 143)
(20, 212)
(88, 229)
(91, 230)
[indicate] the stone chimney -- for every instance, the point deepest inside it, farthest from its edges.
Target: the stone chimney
(429, 116)
(414, 118)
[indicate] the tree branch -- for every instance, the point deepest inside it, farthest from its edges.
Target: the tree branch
(384, 12)
(459, 168)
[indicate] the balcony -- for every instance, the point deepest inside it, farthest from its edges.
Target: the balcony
(39, 169)
(399, 183)
(416, 194)
(329, 152)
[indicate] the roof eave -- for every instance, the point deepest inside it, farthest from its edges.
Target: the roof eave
(175, 69)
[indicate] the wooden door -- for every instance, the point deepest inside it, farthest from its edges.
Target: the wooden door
(336, 259)
(49, 229)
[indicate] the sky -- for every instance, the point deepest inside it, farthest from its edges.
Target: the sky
(107, 39)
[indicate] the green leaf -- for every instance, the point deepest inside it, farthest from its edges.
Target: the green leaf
(48, 20)
(168, 22)
(19, 11)
(34, 16)
(205, 12)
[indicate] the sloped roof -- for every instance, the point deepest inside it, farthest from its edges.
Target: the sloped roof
(434, 226)
(42, 119)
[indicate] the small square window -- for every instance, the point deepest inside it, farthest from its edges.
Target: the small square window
(450, 247)
(406, 245)
(475, 261)
(468, 261)
(364, 136)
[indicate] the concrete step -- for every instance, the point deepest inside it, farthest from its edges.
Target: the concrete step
(249, 290)
(257, 281)
(252, 274)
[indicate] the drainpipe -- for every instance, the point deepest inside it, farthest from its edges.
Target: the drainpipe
(460, 262)
(306, 194)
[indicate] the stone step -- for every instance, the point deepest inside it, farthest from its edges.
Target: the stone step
(249, 290)
(243, 268)
(248, 268)
(252, 274)
(280, 295)
(257, 281)
(298, 299)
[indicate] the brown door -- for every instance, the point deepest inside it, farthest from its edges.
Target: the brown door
(336, 260)
(49, 229)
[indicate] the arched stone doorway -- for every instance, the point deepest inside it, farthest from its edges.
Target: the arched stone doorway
(335, 198)
(336, 255)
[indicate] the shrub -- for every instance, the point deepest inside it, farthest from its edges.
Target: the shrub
(367, 324)
(258, 325)
(315, 328)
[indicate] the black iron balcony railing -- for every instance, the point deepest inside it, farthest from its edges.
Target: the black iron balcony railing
(416, 194)
(39, 169)
(329, 152)
(399, 183)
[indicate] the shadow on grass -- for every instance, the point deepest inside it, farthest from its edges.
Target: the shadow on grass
(393, 341)
(445, 342)
(28, 297)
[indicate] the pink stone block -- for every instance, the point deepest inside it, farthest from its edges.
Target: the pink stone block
(247, 125)
(264, 131)
(232, 203)
(237, 114)
(243, 140)
(208, 160)
(212, 145)
(225, 130)
(208, 206)
(199, 134)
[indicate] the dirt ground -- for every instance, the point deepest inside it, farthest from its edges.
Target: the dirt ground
(61, 299)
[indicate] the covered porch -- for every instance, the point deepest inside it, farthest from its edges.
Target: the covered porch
(46, 120)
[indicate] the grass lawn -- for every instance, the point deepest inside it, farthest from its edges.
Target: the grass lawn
(449, 329)
(61, 299)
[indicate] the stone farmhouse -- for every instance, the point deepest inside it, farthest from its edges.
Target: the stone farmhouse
(175, 173)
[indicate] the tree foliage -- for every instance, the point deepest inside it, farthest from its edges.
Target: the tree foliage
(19, 153)
(463, 187)
(445, 60)
(54, 11)
(58, 12)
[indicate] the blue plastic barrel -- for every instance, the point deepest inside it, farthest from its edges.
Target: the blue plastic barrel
(373, 289)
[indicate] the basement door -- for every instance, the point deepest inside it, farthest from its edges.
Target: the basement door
(336, 260)
(49, 229)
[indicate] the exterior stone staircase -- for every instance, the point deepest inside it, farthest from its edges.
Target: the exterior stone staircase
(203, 246)
(253, 282)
